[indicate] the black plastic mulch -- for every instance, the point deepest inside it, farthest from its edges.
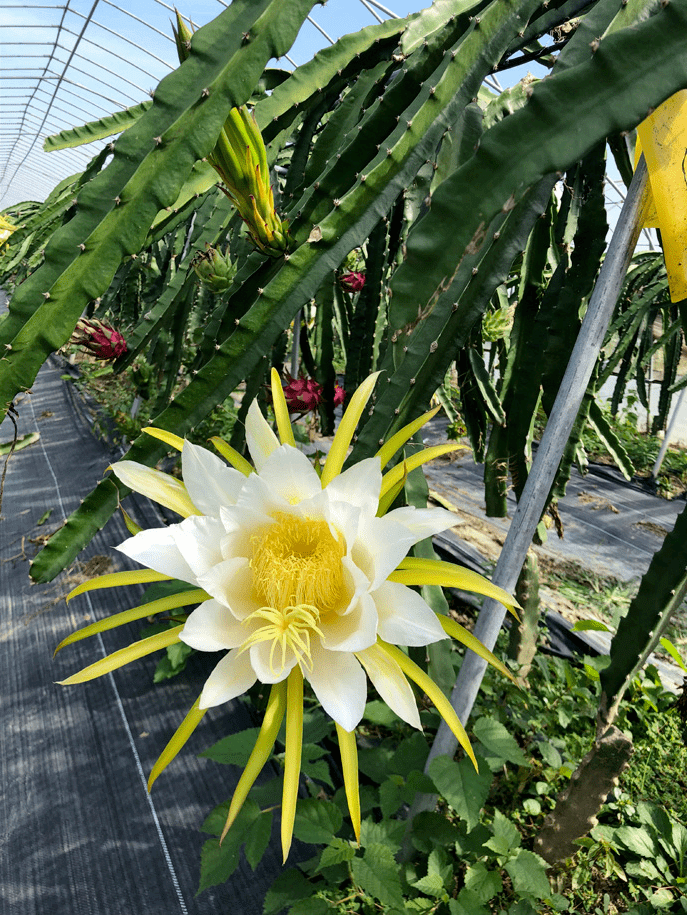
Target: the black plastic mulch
(80, 833)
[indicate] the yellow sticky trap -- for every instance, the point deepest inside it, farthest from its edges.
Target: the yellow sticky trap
(663, 136)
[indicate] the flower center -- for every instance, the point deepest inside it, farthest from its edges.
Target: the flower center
(297, 561)
(297, 576)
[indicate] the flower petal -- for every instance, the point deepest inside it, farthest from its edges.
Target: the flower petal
(230, 678)
(355, 630)
(391, 684)
(198, 539)
(214, 629)
(160, 487)
(424, 522)
(230, 582)
(266, 660)
(379, 547)
(289, 475)
(157, 549)
(260, 438)
(404, 617)
(340, 684)
(210, 483)
(359, 485)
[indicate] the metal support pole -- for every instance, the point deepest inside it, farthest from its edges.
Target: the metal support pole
(668, 436)
(547, 459)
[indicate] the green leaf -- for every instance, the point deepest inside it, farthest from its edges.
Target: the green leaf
(410, 755)
(528, 873)
(258, 838)
(673, 652)
(431, 885)
(317, 821)
(501, 745)
(637, 839)
(467, 903)
(485, 884)
(337, 851)
(431, 828)
(386, 832)
(378, 712)
(316, 905)
(506, 837)
(233, 750)
(463, 788)
(313, 766)
(289, 888)
(391, 795)
(217, 863)
(377, 875)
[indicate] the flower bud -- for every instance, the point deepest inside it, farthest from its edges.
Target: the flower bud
(99, 339)
(353, 281)
(214, 269)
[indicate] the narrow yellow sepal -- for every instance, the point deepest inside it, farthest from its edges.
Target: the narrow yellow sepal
(281, 411)
(274, 715)
(428, 686)
(349, 765)
(172, 602)
(117, 579)
(461, 634)
(179, 738)
(387, 499)
(389, 449)
(131, 525)
(231, 455)
(663, 137)
(391, 477)
(124, 656)
(415, 571)
(347, 426)
(169, 438)
(292, 756)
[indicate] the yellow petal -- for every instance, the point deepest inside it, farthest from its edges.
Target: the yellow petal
(397, 473)
(274, 715)
(169, 438)
(292, 756)
(124, 656)
(181, 735)
(349, 764)
(281, 411)
(172, 602)
(389, 449)
(461, 634)
(344, 433)
(115, 579)
(428, 686)
(415, 571)
(231, 455)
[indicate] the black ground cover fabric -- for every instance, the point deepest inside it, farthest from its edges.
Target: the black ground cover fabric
(80, 834)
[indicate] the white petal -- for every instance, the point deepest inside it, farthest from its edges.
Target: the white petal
(210, 483)
(232, 677)
(424, 522)
(260, 438)
(390, 682)
(211, 627)
(157, 549)
(198, 539)
(359, 485)
(354, 631)
(267, 664)
(340, 684)
(404, 617)
(380, 546)
(160, 487)
(289, 475)
(230, 582)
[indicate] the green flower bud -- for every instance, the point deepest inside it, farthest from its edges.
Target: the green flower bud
(214, 269)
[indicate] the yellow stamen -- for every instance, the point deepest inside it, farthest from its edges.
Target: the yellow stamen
(296, 562)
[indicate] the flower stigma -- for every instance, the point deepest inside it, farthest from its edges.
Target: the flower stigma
(297, 577)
